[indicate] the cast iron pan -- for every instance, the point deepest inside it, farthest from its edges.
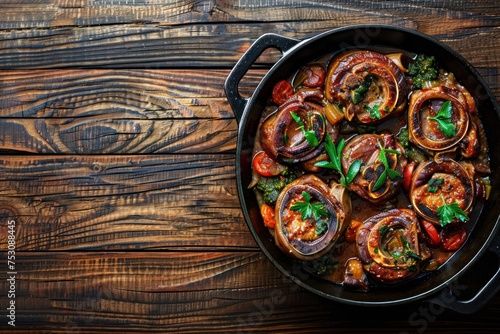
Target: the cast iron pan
(437, 287)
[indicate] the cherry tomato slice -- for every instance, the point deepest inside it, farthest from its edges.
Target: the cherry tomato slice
(431, 232)
(315, 76)
(282, 92)
(452, 237)
(407, 175)
(268, 215)
(266, 166)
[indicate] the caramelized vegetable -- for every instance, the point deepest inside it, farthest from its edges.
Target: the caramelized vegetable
(355, 276)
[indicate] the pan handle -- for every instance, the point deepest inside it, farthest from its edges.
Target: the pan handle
(264, 42)
(448, 300)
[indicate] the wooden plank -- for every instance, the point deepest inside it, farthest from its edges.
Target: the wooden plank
(117, 111)
(110, 134)
(183, 35)
(122, 202)
(141, 94)
(193, 292)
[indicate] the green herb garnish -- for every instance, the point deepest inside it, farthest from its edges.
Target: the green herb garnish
(443, 117)
(359, 94)
(374, 111)
(321, 226)
(309, 134)
(434, 184)
(383, 230)
(407, 254)
(388, 172)
(449, 212)
(308, 209)
(335, 153)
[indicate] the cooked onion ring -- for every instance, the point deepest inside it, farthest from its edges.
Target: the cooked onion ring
(385, 83)
(457, 186)
(427, 102)
(297, 237)
(283, 140)
(388, 245)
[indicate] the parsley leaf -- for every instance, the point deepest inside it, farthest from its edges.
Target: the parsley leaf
(448, 213)
(374, 111)
(443, 117)
(309, 134)
(308, 209)
(334, 153)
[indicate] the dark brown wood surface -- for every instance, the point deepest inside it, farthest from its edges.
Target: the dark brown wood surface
(117, 150)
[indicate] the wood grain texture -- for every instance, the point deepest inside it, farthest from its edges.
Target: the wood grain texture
(117, 150)
(180, 34)
(185, 291)
(122, 202)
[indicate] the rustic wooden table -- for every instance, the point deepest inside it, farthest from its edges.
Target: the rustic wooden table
(117, 165)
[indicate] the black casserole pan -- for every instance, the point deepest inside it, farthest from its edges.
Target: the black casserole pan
(296, 53)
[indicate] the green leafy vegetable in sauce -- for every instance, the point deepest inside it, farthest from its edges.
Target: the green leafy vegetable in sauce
(272, 186)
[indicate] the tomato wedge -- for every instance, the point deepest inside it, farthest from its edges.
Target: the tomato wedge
(452, 237)
(431, 232)
(265, 165)
(282, 91)
(407, 175)
(268, 215)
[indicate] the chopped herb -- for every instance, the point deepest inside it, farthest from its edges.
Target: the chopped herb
(324, 266)
(411, 254)
(376, 250)
(321, 226)
(423, 69)
(449, 212)
(383, 230)
(360, 92)
(434, 184)
(374, 111)
(443, 117)
(405, 242)
(308, 209)
(309, 134)
(334, 153)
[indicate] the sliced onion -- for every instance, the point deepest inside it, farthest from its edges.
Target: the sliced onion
(387, 90)
(296, 236)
